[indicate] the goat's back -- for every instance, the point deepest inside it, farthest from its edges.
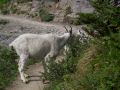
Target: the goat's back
(33, 44)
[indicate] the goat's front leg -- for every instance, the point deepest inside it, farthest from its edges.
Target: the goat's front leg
(50, 56)
(21, 67)
(46, 69)
(46, 63)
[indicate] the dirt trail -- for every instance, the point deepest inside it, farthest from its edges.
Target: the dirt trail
(35, 80)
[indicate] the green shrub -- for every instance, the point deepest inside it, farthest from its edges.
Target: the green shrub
(105, 20)
(60, 72)
(8, 66)
(46, 16)
(5, 11)
(23, 1)
(4, 6)
(13, 9)
(105, 71)
(3, 22)
(86, 18)
(4, 1)
(55, 1)
(105, 74)
(68, 10)
(68, 65)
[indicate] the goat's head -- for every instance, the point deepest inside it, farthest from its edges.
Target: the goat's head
(69, 31)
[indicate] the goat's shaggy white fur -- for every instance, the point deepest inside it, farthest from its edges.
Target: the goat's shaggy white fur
(45, 46)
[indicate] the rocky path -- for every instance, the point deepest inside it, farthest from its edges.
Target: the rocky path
(35, 81)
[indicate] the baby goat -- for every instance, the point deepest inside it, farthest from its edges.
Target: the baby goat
(45, 46)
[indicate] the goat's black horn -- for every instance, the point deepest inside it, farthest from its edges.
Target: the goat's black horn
(71, 29)
(66, 29)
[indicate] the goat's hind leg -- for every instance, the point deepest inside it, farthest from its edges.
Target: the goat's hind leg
(21, 67)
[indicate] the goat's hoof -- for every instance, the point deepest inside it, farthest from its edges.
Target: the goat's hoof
(46, 81)
(42, 72)
(26, 75)
(26, 81)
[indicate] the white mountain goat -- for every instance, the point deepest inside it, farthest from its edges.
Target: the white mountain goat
(45, 46)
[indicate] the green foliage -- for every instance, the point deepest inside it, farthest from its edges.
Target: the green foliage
(13, 9)
(105, 73)
(60, 72)
(57, 70)
(55, 1)
(68, 10)
(106, 18)
(45, 15)
(23, 1)
(5, 11)
(4, 1)
(3, 22)
(106, 69)
(8, 66)
(86, 18)
(4, 6)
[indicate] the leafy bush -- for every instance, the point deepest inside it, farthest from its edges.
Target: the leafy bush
(69, 83)
(5, 11)
(4, 1)
(8, 66)
(104, 70)
(86, 18)
(106, 18)
(23, 1)
(55, 0)
(4, 6)
(3, 22)
(57, 70)
(46, 16)
(61, 71)
(105, 74)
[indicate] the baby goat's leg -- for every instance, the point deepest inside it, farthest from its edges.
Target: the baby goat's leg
(21, 64)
